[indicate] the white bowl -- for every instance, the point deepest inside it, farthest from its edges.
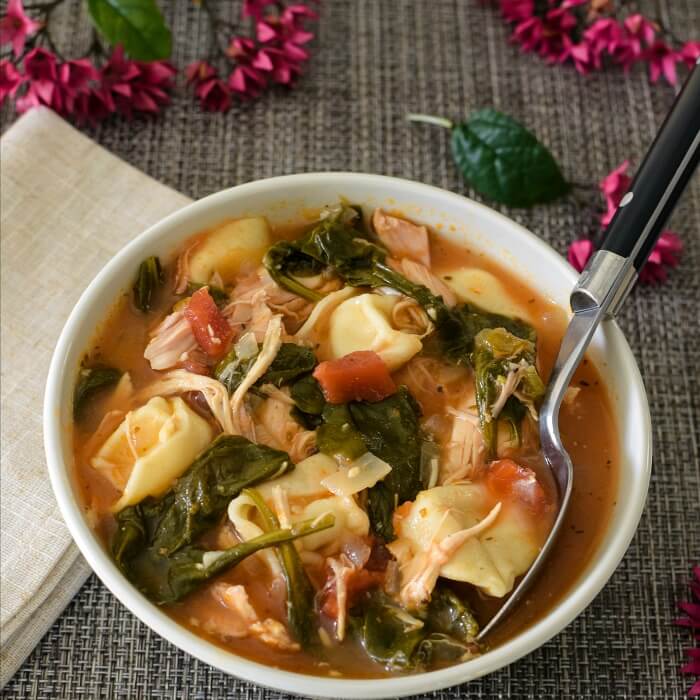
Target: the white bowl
(281, 198)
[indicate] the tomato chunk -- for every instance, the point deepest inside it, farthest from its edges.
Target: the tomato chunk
(509, 481)
(358, 376)
(210, 327)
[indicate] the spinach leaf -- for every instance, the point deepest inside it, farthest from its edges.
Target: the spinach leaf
(197, 499)
(167, 579)
(337, 435)
(148, 278)
(284, 261)
(437, 649)
(220, 297)
(389, 634)
(497, 352)
(445, 630)
(308, 402)
(448, 614)
(231, 370)
(300, 592)
(137, 25)
(90, 381)
(291, 362)
(390, 430)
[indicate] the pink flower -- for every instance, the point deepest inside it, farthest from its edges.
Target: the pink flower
(517, 10)
(641, 28)
(579, 53)
(41, 75)
(199, 71)
(16, 26)
(214, 95)
(135, 86)
(94, 105)
(40, 64)
(666, 254)
(604, 36)
(690, 53)
(613, 186)
(579, 253)
(529, 34)
(255, 8)
(248, 77)
(662, 60)
(10, 80)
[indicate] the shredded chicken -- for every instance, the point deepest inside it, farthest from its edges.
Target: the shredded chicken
(281, 506)
(420, 274)
(179, 381)
(244, 620)
(420, 573)
(109, 423)
(170, 341)
(276, 428)
(341, 568)
(570, 395)
(270, 347)
(402, 238)
(510, 388)
(464, 451)
(256, 297)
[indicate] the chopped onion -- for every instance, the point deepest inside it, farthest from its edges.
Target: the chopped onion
(362, 473)
(246, 347)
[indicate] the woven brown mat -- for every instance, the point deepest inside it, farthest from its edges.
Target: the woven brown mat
(375, 60)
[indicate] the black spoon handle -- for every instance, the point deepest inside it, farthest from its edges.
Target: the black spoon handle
(660, 180)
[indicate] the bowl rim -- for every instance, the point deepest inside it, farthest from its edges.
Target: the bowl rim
(569, 607)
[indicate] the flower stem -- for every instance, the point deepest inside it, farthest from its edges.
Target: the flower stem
(430, 119)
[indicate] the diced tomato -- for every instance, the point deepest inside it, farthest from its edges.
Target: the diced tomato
(359, 376)
(210, 327)
(509, 481)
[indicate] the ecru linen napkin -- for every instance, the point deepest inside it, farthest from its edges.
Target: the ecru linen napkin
(66, 207)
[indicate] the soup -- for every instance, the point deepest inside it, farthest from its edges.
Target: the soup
(316, 445)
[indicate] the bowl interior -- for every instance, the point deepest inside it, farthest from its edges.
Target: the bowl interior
(281, 200)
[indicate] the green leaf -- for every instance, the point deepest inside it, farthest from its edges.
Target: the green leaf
(448, 614)
(168, 578)
(309, 402)
(90, 381)
(300, 592)
(389, 634)
(504, 161)
(292, 361)
(391, 431)
(197, 499)
(148, 279)
(337, 435)
(137, 25)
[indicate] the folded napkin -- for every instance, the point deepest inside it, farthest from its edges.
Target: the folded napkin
(66, 207)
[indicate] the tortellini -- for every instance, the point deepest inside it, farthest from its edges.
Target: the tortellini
(364, 323)
(152, 446)
(224, 249)
(491, 560)
(485, 290)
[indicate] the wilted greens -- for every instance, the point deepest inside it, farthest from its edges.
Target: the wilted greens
(148, 279)
(291, 362)
(197, 499)
(445, 630)
(91, 380)
(300, 592)
(169, 578)
(501, 358)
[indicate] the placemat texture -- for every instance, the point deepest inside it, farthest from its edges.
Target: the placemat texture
(375, 60)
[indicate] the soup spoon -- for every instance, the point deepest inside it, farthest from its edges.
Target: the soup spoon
(605, 282)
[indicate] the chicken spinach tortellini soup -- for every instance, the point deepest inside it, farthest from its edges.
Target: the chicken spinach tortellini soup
(315, 445)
